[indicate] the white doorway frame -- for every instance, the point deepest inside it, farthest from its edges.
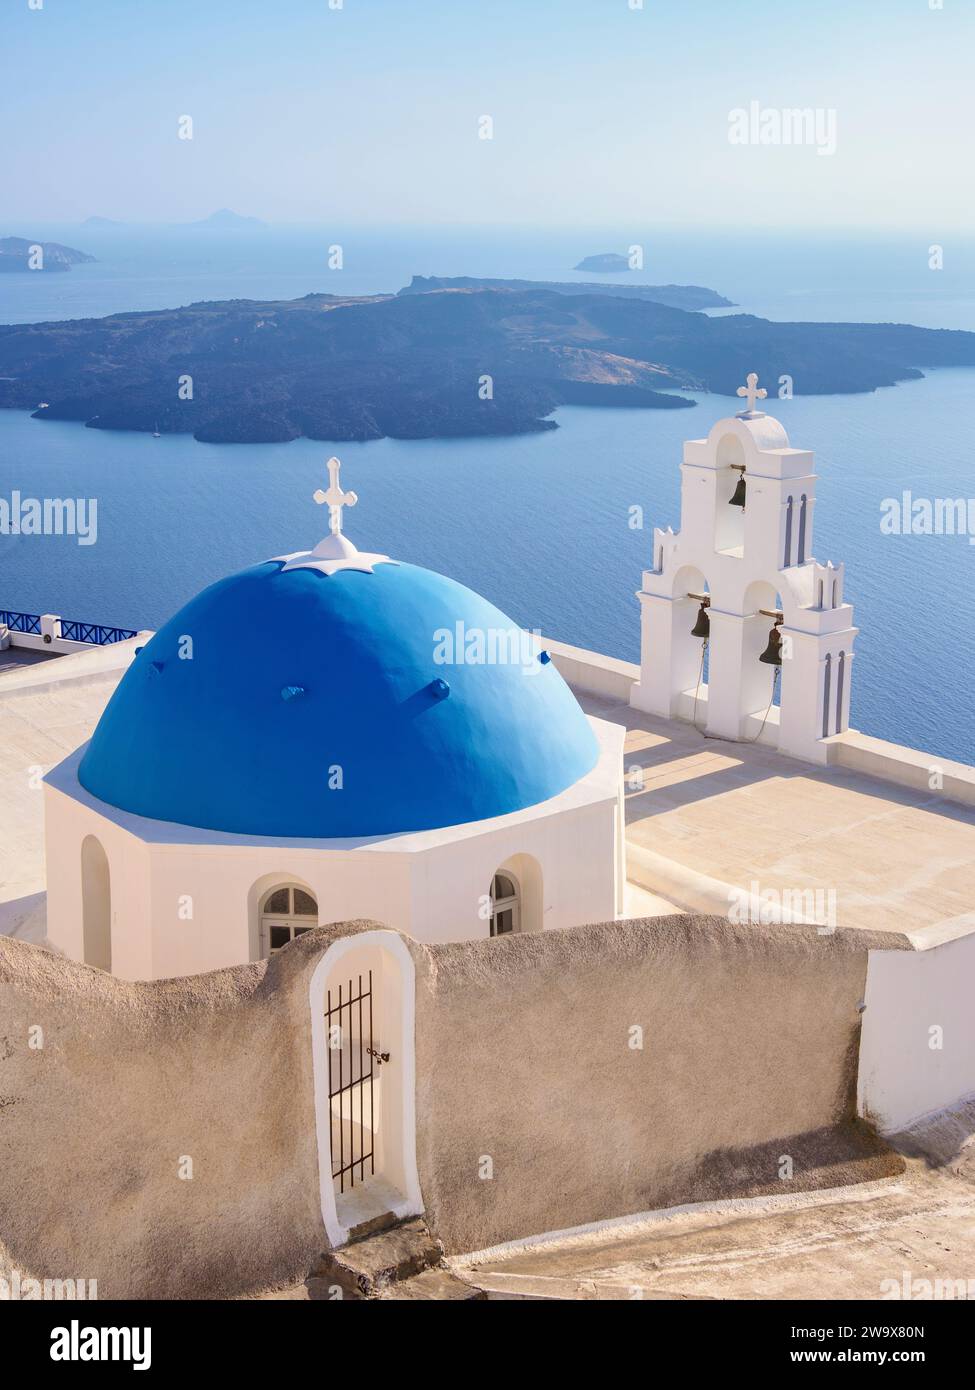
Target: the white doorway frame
(411, 1202)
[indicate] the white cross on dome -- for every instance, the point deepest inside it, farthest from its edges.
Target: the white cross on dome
(335, 497)
(752, 392)
(335, 552)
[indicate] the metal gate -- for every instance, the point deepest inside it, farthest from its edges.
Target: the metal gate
(352, 1063)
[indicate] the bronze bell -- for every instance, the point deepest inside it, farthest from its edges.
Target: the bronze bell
(772, 655)
(702, 628)
(737, 498)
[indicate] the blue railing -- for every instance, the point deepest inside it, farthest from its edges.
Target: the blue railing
(20, 622)
(72, 631)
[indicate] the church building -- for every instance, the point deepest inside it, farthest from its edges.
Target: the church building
(331, 735)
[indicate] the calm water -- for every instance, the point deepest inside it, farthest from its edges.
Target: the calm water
(865, 278)
(539, 523)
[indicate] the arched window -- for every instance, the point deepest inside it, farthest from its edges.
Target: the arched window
(802, 529)
(840, 680)
(826, 684)
(286, 912)
(96, 904)
(505, 905)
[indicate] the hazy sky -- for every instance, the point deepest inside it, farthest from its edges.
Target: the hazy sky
(602, 113)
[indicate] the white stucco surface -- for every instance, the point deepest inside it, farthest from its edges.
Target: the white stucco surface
(917, 1049)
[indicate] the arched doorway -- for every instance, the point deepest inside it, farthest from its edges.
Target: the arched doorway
(286, 911)
(96, 904)
(362, 996)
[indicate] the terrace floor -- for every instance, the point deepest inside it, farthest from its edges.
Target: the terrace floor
(13, 658)
(751, 819)
(47, 708)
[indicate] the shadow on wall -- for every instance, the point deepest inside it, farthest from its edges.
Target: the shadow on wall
(161, 1137)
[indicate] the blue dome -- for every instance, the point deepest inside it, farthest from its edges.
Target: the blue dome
(295, 673)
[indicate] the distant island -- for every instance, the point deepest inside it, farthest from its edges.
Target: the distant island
(225, 220)
(440, 363)
(608, 261)
(16, 253)
(677, 296)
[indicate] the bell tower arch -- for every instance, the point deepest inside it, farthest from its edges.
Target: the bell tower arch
(779, 634)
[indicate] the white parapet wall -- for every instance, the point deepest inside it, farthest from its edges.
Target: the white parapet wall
(614, 679)
(908, 767)
(917, 1047)
(592, 672)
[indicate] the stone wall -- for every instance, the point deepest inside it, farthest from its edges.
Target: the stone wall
(750, 1045)
(750, 1038)
(131, 1080)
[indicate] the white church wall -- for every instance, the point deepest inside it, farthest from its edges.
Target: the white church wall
(185, 909)
(181, 909)
(917, 1049)
(575, 855)
(63, 836)
(206, 898)
(203, 899)
(67, 825)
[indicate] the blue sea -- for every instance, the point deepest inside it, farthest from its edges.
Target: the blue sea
(541, 524)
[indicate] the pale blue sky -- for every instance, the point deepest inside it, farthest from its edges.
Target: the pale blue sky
(603, 114)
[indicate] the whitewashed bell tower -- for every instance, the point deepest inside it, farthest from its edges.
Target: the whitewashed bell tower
(746, 573)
